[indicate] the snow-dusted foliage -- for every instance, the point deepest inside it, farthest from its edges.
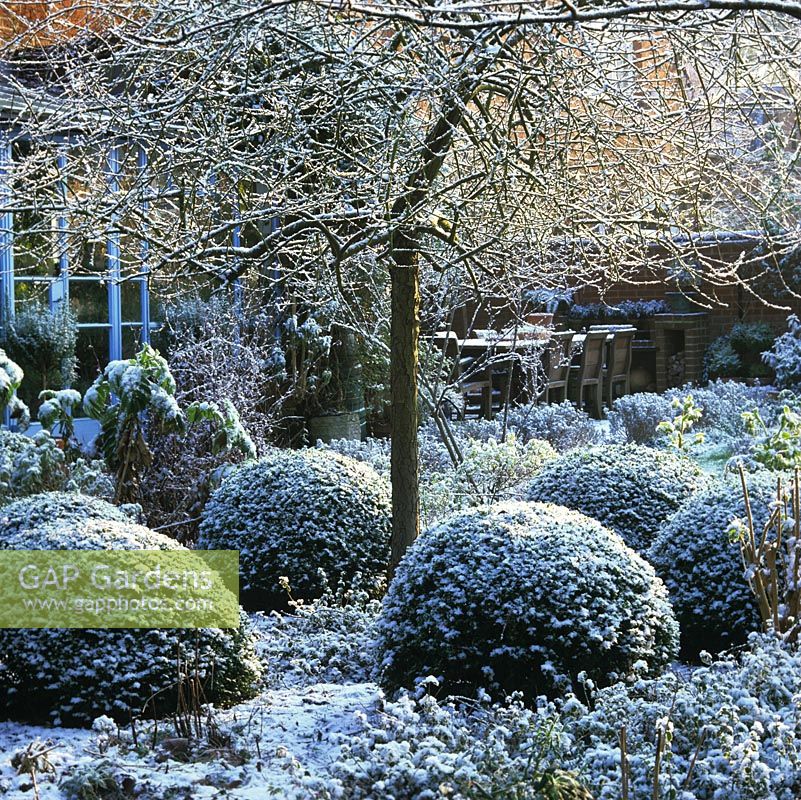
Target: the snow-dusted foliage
(58, 411)
(420, 749)
(489, 472)
(139, 384)
(634, 417)
(630, 488)
(560, 424)
(732, 731)
(30, 465)
(75, 675)
(490, 469)
(703, 569)
(721, 359)
(57, 405)
(784, 358)
(223, 352)
(309, 516)
(12, 444)
(122, 398)
(11, 376)
(624, 310)
(522, 597)
(42, 341)
(434, 456)
(375, 452)
(330, 640)
(723, 403)
(67, 508)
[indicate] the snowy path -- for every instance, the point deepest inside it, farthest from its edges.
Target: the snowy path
(283, 736)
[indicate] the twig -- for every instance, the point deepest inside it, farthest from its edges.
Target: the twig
(701, 738)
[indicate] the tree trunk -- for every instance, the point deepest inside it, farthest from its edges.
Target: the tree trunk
(405, 315)
(404, 333)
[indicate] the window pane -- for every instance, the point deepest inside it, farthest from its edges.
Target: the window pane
(35, 235)
(92, 355)
(90, 256)
(27, 292)
(131, 305)
(131, 341)
(89, 300)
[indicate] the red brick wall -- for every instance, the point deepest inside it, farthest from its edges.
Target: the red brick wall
(725, 305)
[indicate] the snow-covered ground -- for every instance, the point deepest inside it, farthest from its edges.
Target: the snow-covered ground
(277, 743)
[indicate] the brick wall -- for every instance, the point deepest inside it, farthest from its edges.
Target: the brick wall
(725, 305)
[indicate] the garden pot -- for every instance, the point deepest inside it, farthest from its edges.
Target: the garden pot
(344, 425)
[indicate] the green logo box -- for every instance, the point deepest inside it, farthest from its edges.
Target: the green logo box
(119, 589)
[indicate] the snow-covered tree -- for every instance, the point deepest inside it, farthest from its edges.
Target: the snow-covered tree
(356, 155)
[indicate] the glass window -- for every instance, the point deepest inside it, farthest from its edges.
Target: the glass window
(131, 340)
(28, 291)
(91, 257)
(131, 291)
(41, 248)
(92, 356)
(35, 221)
(89, 300)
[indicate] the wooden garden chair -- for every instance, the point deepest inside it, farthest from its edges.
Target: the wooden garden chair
(617, 372)
(556, 364)
(588, 374)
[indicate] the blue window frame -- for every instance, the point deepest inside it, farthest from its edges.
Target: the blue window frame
(65, 285)
(113, 310)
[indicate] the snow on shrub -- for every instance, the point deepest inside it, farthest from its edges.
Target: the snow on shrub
(491, 469)
(630, 488)
(68, 508)
(561, 424)
(634, 417)
(703, 570)
(29, 465)
(77, 675)
(310, 516)
(34, 464)
(12, 444)
(784, 358)
(329, 640)
(522, 597)
(375, 452)
(420, 749)
(724, 401)
(733, 731)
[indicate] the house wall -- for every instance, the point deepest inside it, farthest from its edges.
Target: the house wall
(725, 305)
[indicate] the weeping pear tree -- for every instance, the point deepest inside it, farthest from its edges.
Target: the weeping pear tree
(383, 162)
